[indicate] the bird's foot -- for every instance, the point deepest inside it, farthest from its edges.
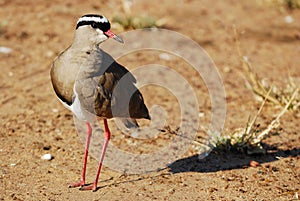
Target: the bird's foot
(77, 184)
(92, 187)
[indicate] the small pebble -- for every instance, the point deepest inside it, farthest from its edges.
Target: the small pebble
(30, 112)
(49, 54)
(202, 155)
(254, 163)
(58, 131)
(201, 114)
(171, 191)
(296, 196)
(289, 19)
(54, 110)
(245, 58)
(227, 69)
(134, 134)
(5, 50)
(165, 56)
(46, 157)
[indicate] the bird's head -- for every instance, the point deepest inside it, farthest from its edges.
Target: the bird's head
(94, 28)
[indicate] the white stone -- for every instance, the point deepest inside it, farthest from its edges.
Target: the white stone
(5, 50)
(288, 19)
(201, 114)
(54, 110)
(165, 56)
(46, 157)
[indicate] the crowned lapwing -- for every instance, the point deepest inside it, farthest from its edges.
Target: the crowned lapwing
(85, 79)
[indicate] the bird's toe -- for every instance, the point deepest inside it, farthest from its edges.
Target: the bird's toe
(77, 184)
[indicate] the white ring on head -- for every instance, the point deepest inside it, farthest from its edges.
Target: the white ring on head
(93, 19)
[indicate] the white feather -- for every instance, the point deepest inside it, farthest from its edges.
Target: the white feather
(94, 19)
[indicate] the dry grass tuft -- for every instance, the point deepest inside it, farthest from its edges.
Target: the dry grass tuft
(127, 21)
(249, 139)
(278, 96)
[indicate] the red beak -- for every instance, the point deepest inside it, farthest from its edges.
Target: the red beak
(110, 34)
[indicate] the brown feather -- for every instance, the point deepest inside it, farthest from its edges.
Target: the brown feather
(95, 76)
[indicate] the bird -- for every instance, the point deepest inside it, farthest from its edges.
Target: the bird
(91, 84)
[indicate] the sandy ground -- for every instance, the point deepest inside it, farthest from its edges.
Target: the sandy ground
(33, 122)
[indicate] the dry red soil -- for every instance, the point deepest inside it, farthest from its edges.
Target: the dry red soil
(33, 121)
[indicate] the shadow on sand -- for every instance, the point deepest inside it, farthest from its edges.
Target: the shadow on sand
(217, 161)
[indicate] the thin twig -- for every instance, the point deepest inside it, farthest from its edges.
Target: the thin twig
(275, 122)
(260, 110)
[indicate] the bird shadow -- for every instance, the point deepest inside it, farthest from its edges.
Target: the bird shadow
(215, 161)
(221, 160)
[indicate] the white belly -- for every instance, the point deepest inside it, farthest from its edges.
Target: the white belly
(78, 111)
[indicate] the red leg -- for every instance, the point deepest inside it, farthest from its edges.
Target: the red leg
(106, 140)
(86, 152)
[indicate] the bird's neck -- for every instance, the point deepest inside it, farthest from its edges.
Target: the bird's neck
(87, 42)
(84, 45)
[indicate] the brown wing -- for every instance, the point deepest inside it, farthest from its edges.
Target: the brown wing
(61, 78)
(108, 89)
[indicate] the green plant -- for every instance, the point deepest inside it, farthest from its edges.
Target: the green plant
(131, 22)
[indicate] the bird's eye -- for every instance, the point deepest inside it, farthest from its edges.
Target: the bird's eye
(94, 25)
